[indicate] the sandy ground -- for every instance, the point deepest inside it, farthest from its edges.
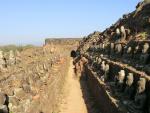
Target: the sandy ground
(74, 102)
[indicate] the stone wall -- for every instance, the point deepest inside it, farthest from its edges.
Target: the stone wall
(103, 99)
(63, 41)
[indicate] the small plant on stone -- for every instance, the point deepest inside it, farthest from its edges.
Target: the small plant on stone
(11, 112)
(144, 35)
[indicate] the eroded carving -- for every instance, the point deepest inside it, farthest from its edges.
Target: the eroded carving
(137, 106)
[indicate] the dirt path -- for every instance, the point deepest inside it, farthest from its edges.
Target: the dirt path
(74, 102)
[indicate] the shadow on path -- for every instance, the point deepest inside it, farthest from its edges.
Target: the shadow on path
(89, 99)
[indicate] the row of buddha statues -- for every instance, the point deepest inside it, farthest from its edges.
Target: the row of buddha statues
(127, 86)
(136, 53)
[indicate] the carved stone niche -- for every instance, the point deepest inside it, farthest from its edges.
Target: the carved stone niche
(106, 50)
(97, 59)
(128, 52)
(95, 64)
(118, 49)
(145, 48)
(145, 22)
(116, 35)
(123, 33)
(92, 62)
(102, 70)
(112, 49)
(144, 56)
(102, 46)
(103, 66)
(106, 74)
(136, 53)
(119, 81)
(129, 89)
(139, 102)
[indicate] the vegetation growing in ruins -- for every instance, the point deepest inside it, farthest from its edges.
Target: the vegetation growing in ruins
(144, 35)
(20, 48)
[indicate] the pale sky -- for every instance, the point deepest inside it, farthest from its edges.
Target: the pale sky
(31, 21)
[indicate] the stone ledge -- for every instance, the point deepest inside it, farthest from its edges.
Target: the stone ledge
(102, 95)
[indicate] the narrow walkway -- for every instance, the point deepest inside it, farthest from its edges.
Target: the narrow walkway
(74, 102)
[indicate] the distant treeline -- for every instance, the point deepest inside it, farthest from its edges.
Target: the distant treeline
(14, 47)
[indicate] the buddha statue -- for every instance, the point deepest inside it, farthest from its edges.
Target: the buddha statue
(123, 33)
(137, 105)
(144, 56)
(119, 81)
(129, 89)
(106, 73)
(112, 46)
